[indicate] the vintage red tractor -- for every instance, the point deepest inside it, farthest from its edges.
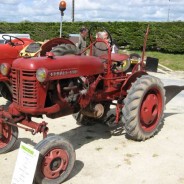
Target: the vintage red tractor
(56, 86)
(16, 48)
(8, 53)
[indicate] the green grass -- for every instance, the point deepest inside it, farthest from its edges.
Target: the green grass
(172, 61)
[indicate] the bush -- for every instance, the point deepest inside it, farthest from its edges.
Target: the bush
(164, 36)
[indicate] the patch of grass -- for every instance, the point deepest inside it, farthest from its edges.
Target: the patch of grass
(172, 61)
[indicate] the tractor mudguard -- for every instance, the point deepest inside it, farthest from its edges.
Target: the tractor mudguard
(48, 46)
(131, 79)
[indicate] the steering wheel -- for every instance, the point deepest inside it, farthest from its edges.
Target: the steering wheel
(11, 42)
(104, 30)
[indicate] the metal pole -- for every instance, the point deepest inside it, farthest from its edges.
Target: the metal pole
(168, 18)
(73, 10)
(61, 24)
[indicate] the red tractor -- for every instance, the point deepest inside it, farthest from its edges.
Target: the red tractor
(57, 86)
(8, 53)
(16, 48)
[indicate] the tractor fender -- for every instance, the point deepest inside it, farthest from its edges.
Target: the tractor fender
(48, 46)
(132, 78)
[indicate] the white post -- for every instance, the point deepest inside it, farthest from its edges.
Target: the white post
(61, 25)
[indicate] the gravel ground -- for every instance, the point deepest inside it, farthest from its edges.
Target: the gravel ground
(106, 159)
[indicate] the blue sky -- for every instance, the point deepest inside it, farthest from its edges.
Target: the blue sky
(92, 10)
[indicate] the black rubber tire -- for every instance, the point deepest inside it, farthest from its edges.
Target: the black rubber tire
(11, 144)
(132, 105)
(88, 121)
(135, 56)
(5, 92)
(65, 49)
(43, 147)
(83, 120)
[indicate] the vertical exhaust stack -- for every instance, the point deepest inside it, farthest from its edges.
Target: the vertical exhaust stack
(144, 47)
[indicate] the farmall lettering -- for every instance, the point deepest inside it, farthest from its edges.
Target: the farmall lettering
(63, 72)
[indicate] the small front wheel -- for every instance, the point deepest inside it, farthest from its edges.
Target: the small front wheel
(56, 161)
(8, 138)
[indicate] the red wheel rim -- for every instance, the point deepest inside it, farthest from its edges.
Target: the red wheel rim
(151, 110)
(6, 136)
(54, 163)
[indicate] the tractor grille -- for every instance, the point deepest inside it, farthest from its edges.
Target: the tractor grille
(24, 86)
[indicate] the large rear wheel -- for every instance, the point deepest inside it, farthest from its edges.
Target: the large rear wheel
(65, 49)
(143, 108)
(56, 161)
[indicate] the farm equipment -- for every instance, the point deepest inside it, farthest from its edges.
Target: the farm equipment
(8, 53)
(57, 86)
(16, 48)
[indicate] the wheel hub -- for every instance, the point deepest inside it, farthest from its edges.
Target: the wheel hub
(149, 109)
(54, 163)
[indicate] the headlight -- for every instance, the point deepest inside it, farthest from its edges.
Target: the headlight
(5, 69)
(41, 74)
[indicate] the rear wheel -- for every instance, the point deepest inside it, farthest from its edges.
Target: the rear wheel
(65, 49)
(143, 108)
(56, 161)
(8, 138)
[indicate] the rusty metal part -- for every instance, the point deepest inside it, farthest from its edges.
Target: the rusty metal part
(31, 126)
(119, 107)
(15, 125)
(144, 48)
(96, 112)
(37, 127)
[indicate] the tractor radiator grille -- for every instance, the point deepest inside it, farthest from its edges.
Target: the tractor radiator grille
(24, 86)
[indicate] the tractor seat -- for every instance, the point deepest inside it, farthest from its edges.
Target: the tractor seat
(33, 48)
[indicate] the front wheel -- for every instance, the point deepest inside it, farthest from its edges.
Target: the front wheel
(8, 138)
(144, 107)
(56, 161)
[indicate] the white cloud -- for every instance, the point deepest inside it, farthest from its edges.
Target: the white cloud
(13, 2)
(96, 10)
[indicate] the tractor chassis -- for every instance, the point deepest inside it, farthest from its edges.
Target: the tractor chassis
(28, 124)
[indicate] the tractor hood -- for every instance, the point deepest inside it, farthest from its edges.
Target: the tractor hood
(8, 52)
(65, 66)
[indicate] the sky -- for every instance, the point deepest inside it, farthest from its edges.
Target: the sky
(92, 10)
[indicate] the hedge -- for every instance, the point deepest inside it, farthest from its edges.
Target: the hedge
(164, 36)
